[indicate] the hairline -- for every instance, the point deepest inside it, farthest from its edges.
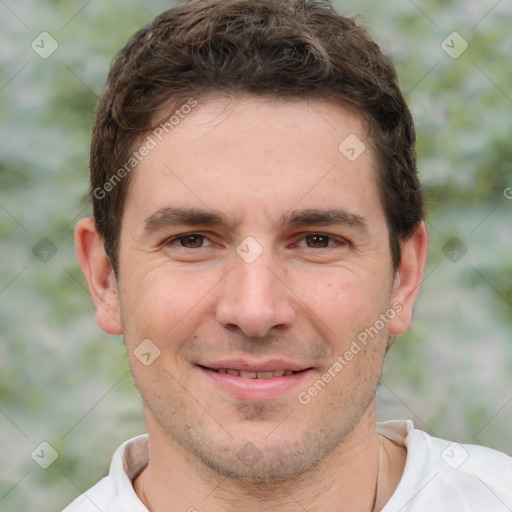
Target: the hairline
(176, 100)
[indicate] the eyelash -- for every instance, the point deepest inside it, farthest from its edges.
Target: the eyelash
(172, 240)
(331, 239)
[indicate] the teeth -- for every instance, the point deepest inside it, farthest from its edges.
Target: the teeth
(249, 375)
(255, 375)
(266, 375)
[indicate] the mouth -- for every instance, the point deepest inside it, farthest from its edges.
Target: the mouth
(254, 381)
(253, 374)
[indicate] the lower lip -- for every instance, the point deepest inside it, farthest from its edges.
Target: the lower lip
(256, 389)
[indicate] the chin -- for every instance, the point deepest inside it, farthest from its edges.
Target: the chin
(263, 471)
(267, 460)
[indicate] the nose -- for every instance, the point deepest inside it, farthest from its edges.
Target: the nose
(254, 299)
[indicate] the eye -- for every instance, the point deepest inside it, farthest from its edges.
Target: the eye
(318, 241)
(189, 241)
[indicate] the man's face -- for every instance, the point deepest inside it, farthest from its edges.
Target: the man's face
(283, 261)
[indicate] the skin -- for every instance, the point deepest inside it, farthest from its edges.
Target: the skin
(257, 161)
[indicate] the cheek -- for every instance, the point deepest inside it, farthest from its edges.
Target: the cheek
(342, 298)
(162, 302)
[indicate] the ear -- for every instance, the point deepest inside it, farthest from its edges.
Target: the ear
(99, 274)
(408, 279)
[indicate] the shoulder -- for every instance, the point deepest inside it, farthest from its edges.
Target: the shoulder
(97, 497)
(466, 462)
(115, 493)
(448, 476)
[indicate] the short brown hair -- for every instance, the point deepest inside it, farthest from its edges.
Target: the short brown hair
(287, 49)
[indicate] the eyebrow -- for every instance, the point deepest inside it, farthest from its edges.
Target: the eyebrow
(169, 217)
(322, 218)
(174, 216)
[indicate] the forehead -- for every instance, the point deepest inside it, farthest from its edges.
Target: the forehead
(254, 154)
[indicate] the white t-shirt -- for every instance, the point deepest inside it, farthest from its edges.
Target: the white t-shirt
(439, 476)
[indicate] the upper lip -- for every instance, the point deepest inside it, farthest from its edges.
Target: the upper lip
(255, 366)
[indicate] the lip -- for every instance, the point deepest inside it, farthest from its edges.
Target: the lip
(255, 389)
(255, 366)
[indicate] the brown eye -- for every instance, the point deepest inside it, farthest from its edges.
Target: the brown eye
(191, 241)
(317, 241)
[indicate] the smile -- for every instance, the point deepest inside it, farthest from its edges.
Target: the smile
(252, 375)
(252, 381)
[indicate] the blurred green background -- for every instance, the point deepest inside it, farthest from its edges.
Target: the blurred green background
(65, 382)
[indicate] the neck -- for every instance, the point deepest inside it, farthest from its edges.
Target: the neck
(347, 476)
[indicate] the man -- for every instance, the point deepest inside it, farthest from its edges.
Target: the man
(258, 239)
